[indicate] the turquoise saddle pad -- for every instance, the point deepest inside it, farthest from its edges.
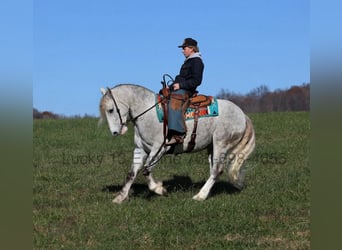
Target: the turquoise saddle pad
(206, 111)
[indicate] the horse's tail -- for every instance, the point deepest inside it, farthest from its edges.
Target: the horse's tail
(240, 154)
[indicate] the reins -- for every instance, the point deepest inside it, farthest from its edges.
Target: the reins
(164, 84)
(141, 114)
(136, 117)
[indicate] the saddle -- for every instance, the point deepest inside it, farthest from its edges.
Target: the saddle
(196, 102)
(199, 101)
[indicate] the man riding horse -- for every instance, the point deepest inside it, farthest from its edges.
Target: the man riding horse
(228, 137)
(184, 86)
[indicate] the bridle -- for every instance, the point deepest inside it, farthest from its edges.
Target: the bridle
(164, 84)
(122, 124)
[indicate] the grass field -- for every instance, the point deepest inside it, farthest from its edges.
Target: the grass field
(78, 168)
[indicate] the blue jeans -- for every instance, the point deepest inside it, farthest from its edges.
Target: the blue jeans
(176, 111)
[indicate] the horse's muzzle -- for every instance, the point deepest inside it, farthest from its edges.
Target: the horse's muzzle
(123, 130)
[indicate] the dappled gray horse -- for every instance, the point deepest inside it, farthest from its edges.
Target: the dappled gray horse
(229, 137)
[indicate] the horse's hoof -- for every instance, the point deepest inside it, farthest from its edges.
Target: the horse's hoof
(118, 199)
(197, 197)
(160, 190)
(159, 184)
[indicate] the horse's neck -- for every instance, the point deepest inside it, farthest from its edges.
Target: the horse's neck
(138, 100)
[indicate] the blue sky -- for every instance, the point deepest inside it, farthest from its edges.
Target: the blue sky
(81, 46)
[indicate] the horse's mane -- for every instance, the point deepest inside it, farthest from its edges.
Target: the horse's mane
(131, 85)
(102, 113)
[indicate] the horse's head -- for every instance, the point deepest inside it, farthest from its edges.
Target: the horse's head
(114, 111)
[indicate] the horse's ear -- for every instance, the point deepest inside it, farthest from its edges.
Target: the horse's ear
(103, 91)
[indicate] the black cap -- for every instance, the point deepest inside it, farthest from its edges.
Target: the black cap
(188, 42)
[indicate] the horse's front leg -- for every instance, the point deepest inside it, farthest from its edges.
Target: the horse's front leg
(155, 186)
(139, 157)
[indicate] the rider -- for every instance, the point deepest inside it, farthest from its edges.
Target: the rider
(184, 86)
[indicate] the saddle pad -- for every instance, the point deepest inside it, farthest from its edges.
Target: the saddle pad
(210, 110)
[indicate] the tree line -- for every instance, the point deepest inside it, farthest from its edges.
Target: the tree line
(50, 115)
(260, 99)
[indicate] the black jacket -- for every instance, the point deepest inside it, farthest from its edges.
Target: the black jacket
(190, 75)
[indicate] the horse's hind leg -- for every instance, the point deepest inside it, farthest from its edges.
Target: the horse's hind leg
(216, 168)
(238, 156)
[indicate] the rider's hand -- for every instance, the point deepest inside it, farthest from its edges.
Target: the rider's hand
(175, 86)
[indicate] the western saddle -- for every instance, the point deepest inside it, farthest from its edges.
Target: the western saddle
(195, 102)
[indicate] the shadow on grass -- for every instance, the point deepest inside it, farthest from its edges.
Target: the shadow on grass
(176, 184)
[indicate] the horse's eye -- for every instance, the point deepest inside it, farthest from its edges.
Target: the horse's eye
(111, 110)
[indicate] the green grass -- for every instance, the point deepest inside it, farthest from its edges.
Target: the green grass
(79, 167)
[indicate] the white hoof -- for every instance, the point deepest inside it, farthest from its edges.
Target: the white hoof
(159, 184)
(119, 199)
(198, 197)
(160, 190)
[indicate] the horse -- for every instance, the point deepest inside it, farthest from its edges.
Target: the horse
(229, 137)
